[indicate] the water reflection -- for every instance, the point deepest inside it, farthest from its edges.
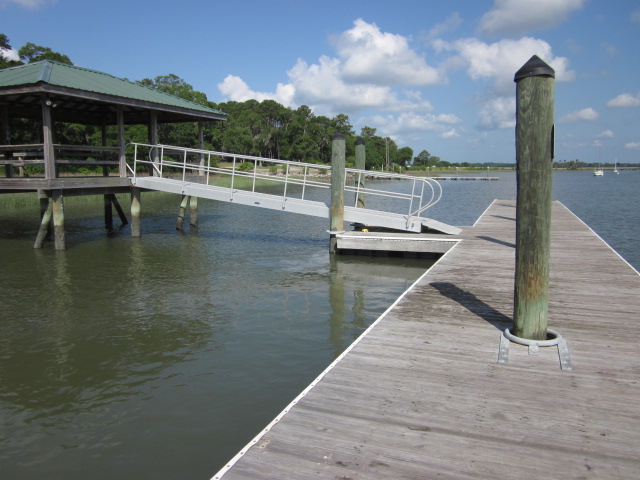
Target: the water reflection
(116, 347)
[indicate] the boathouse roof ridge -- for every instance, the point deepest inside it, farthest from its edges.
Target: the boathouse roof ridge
(73, 81)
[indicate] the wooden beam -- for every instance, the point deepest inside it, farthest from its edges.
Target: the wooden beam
(153, 138)
(135, 212)
(58, 220)
(336, 218)
(47, 140)
(181, 211)
(121, 143)
(534, 156)
(44, 221)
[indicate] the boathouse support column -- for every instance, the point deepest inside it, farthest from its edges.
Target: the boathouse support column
(122, 160)
(193, 212)
(47, 140)
(360, 165)
(45, 220)
(336, 214)
(5, 136)
(181, 211)
(534, 157)
(135, 212)
(58, 219)
(201, 147)
(153, 140)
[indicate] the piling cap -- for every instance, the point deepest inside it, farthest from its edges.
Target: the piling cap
(338, 136)
(359, 141)
(535, 67)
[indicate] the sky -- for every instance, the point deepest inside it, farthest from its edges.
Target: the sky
(433, 75)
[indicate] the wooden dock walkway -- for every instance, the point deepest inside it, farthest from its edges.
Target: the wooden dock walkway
(421, 394)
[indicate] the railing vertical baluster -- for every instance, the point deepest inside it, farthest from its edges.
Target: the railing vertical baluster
(208, 166)
(413, 192)
(184, 167)
(233, 175)
(255, 169)
(304, 180)
(286, 182)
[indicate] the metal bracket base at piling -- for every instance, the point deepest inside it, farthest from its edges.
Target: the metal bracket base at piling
(555, 340)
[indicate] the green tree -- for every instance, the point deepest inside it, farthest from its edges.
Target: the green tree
(405, 155)
(5, 46)
(31, 52)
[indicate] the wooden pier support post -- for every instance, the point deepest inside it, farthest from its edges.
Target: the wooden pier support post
(336, 214)
(193, 212)
(181, 211)
(360, 165)
(108, 212)
(44, 222)
(58, 220)
(534, 156)
(135, 212)
(116, 204)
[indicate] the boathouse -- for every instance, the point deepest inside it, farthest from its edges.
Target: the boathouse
(47, 92)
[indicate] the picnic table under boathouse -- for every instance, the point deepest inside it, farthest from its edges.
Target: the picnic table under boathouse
(422, 394)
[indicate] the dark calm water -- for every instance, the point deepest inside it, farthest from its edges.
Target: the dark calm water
(162, 357)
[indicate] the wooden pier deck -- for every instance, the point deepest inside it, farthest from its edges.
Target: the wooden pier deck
(421, 394)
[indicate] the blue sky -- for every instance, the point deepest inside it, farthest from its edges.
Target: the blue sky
(432, 75)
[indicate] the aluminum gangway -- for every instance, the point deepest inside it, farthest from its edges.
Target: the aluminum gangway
(287, 186)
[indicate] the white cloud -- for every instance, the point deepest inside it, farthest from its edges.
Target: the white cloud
(30, 4)
(499, 61)
(237, 89)
(9, 54)
(409, 124)
(369, 64)
(498, 113)
(450, 24)
(625, 100)
(586, 114)
(605, 134)
(633, 146)
(518, 17)
(371, 56)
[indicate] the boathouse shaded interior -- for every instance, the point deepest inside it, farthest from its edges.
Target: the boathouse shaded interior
(48, 92)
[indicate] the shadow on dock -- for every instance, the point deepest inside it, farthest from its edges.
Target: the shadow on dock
(472, 303)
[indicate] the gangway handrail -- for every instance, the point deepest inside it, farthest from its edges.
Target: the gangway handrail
(425, 192)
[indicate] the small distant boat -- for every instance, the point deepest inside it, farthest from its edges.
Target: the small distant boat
(615, 168)
(599, 172)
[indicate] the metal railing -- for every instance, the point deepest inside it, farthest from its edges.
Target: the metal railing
(195, 165)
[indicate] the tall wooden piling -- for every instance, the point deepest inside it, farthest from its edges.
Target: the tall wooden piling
(534, 156)
(58, 220)
(181, 211)
(336, 214)
(44, 222)
(135, 212)
(360, 165)
(193, 212)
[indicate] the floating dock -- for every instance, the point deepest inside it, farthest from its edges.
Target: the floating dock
(421, 393)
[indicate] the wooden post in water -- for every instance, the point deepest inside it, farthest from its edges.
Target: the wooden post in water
(58, 220)
(193, 212)
(108, 212)
(360, 165)
(181, 211)
(336, 214)
(534, 156)
(44, 222)
(135, 212)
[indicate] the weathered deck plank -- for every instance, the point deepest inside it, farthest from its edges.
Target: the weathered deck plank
(421, 395)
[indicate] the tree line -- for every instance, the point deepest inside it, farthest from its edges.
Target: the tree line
(264, 129)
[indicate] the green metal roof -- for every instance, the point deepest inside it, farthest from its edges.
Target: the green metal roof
(82, 79)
